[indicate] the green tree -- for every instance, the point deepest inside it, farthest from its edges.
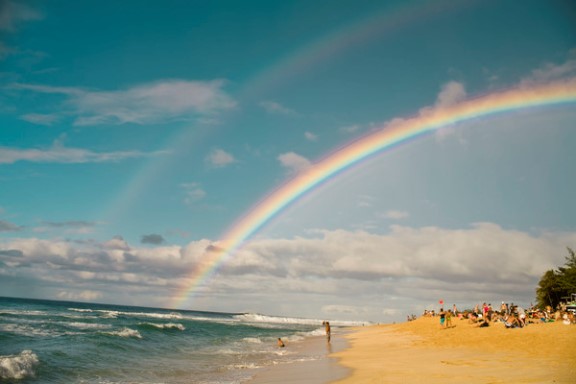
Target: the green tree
(555, 285)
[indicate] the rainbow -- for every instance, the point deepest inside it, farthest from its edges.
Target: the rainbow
(391, 134)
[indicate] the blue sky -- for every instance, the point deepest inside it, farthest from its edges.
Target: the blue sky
(134, 134)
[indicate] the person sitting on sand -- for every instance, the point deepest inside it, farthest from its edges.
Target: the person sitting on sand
(482, 323)
(543, 316)
(512, 321)
(281, 343)
(521, 315)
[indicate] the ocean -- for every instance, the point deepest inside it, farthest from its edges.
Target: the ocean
(70, 342)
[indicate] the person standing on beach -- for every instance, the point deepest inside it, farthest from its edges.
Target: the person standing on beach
(448, 319)
(328, 331)
(503, 309)
(442, 317)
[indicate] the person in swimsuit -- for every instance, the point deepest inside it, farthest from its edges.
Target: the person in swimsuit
(281, 343)
(448, 319)
(442, 317)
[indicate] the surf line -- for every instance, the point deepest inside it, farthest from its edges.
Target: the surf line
(397, 132)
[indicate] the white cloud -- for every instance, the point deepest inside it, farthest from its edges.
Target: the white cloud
(350, 129)
(276, 108)
(117, 243)
(294, 162)
(40, 119)
(343, 309)
(144, 104)
(552, 72)
(193, 193)
(396, 215)
(68, 227)
(220, 158)
(6, 226)
(13, 13)
(450, 94)
(60, 154)
(310, 136)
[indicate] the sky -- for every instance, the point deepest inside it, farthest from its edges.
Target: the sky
(135, 135)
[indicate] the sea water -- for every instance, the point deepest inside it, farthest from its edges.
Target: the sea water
(68, 342)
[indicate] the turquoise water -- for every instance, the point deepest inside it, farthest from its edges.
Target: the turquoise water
(68, 342)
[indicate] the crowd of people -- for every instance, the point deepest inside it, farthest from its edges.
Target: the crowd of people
(513, 316)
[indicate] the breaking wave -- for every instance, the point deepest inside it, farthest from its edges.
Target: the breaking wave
(18, 366)
(259, 318)
(177, 326)
(125, 332)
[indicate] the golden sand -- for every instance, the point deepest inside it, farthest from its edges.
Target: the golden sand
(422, 352)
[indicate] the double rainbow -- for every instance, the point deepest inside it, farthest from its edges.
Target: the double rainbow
(355, 152)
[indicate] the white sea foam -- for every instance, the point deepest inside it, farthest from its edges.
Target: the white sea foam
(244, 366)
(253, 340)
(114, 314)
(18, 366)
(180, 327)
(26, 330)
(22, 312)
(259, 318)
(125, 332)
(80, 310)
(171, 315)
(81, 325)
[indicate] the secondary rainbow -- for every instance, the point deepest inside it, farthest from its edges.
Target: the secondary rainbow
(390, 135)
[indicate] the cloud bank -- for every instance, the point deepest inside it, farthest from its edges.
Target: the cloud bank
(150, 103)
(357, 275)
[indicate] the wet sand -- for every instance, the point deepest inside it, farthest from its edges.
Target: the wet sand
(317, 367)
(423, 352)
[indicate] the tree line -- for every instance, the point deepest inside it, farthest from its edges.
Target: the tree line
(556, 285)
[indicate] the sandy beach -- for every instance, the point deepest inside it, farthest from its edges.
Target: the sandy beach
(422, 352)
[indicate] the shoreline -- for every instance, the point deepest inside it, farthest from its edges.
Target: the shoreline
(318, 365)
(422, 351)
